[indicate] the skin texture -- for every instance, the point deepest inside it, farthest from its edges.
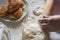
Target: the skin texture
(16, 15)
(51, 23)
(3, 11)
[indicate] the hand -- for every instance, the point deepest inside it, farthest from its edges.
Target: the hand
(51, 23)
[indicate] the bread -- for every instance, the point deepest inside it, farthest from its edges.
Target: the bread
(3, 11)
(21, 2)
(13, 10)
(15, 15)
(15, 5)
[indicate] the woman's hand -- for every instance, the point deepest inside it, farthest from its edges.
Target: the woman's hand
(51, 23)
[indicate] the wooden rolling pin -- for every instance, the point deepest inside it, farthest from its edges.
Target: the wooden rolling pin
(52, 7)
(48, 6)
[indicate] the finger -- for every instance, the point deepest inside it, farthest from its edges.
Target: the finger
(44, 24)
(45, 20)
(47, 28)
(45, 16)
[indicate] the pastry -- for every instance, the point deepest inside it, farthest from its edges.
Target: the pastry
(17, 1)
(13, 9)
(3, 11)
(21, 3)
(15, 15)
(15, 5)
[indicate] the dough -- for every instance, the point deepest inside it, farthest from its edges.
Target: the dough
(32, 31)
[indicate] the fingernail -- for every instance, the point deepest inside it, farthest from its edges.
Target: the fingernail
(44, 24)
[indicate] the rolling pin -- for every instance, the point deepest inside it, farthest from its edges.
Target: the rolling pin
(52, 7)
(48, 6)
